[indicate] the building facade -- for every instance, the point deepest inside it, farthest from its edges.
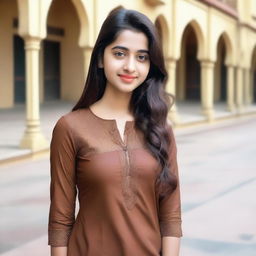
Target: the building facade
(45, 48)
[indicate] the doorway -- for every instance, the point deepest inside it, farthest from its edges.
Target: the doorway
(19, 70)
(51, 70)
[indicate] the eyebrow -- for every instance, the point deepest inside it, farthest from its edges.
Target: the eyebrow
(126, 49)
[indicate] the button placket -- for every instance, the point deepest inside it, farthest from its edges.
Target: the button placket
(127, 179)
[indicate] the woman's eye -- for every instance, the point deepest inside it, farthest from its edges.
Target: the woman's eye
(142, 57)
(119, 54)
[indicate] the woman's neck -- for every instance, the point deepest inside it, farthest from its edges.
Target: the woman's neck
(114, 104)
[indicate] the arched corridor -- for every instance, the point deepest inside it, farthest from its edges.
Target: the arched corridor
(253, 78)
(220, 83)
(224, 75)
(19, 70)
(189, 73)
(159, 30)
(163, 32)
(62, 57)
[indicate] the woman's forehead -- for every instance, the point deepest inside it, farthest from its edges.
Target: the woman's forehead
(131, 40)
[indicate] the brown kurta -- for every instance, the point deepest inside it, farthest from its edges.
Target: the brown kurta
(119, 213)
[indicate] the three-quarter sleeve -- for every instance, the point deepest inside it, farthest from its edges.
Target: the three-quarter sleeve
(63, 184)
(170, 206)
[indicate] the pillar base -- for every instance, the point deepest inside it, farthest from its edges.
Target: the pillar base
(230, 108)
(209, 114)
(34, 141)
(240, 109)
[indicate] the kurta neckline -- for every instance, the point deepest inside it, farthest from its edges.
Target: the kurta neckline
(110, 120)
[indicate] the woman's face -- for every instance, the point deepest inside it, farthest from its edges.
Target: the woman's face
(126, 61)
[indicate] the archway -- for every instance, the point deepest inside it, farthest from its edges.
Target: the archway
(224, 87)
(189, 72)
(62, 68)
(159, 30)
(163, 31)
(19, 70)
(253, 77)
(220, 83)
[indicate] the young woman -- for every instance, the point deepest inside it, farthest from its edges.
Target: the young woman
(118, 152)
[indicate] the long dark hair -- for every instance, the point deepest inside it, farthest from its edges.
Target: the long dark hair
(149, 102)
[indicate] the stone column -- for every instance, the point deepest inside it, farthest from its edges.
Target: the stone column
(230, 88)
(87, 57)
(171, 87)
(207, 90)
(33, 138)
(239, 89)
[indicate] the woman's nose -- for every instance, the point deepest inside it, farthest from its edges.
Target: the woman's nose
(130, 65)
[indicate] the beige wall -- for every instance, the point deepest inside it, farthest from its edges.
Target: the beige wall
(63, 15)
(253, 8)
(8, 11)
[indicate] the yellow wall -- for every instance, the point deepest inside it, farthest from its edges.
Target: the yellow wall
(63, 15)
(8, 11)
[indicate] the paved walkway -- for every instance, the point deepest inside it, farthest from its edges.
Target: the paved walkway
(218, 174)
(218, 179)
(12, 123)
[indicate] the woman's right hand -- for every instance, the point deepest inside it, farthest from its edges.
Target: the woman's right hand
(59, 251)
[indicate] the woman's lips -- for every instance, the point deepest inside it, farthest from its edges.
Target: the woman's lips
(127, 78)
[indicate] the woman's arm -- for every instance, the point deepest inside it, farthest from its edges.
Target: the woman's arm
(62, 188)
(170, 209)
(58, 251)
(170, 246)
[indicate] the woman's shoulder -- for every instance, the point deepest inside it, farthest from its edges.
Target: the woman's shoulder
(76, 115)
(73, 119)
